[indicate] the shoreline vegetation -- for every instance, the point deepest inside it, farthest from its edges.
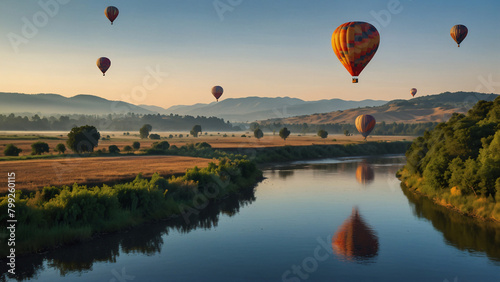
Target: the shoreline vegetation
(56, 216)
(457, 164)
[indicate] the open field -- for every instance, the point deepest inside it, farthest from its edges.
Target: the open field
(217, 140)
(35, 174)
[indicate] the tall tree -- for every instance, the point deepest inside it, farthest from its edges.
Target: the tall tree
(145, 130)
(83, 139)
(284, 133)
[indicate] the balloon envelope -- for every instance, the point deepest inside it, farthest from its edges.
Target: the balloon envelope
(413, 91)
(365, 124)
(111, 13)
(103, 64)
(355, 240)
(458, 33)
(364, 173)
(217, 92)
(355, 44)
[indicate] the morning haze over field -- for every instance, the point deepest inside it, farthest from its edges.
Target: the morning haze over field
(250, 140)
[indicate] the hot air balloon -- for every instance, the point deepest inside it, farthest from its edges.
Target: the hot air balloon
(111, 13)
(413, 91)
(365, 124)
(364, 173)
(355, 240)
(103, 64)
(355, 43)
(217, 92)
(458, 33)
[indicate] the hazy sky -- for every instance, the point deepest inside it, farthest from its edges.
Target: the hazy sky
(172, 52)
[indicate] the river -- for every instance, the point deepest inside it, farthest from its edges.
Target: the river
(343, 219)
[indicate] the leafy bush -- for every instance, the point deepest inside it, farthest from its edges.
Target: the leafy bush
(136, 145)
(155, 136)
(39, 148)
(163, 145)
(60, 148)
(113, 149)
(12, 150)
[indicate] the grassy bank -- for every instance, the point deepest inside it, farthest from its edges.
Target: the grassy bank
(457, 164)
(483, 208)
(57, 216)
(287, 153)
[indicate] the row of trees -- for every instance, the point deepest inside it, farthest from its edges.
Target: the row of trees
(38, 148)
(111, 122)
(381, 128)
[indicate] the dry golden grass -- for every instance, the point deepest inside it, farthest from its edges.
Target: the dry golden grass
(217, 141)
(35, 174)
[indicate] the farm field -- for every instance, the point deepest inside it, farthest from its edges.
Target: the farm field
(35, 174)
(216, 140)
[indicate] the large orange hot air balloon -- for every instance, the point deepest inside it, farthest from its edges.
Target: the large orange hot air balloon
(365, 124)
(355, 240)
(103, 64)
(355, 43)
(413, 91)
(217, 92)
(458, 33)
(111, 13)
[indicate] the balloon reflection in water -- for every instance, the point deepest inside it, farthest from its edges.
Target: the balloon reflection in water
(364, 173)
(355, 240)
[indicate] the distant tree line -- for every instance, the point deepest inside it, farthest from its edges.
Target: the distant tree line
(381, 128)
(129, 122)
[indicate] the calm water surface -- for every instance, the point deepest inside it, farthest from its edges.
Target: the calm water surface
(328, 220)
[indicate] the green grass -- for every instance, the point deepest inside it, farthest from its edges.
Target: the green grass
(62, 215)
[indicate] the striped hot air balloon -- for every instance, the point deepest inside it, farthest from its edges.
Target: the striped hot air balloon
(111, 13)
(217, 92)
(355, 44)
(458, 33)
(413, 91)
(103, 64)
(365, 124)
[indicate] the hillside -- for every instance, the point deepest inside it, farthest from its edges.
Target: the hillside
(258, 108)
(56, 104)
(432, 108)
(458, 162)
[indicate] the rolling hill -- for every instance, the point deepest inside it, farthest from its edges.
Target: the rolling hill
(231, 109)
(432, 108)
(257, 108)
(56, 104)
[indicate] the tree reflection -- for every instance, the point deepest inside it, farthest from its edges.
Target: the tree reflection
(146, 239)
(355, 240)
(462, 232)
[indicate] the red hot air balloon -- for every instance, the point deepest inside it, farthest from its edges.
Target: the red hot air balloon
(458, 33)
(413, 91)
(111, 13)
(355, 44)
(217, 92)
(365, 124)
(355, 240)
(103, 64)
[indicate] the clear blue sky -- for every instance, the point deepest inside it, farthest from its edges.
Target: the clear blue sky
(255, 48)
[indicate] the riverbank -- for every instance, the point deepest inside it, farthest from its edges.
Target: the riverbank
(481, 208)
(57, 216)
